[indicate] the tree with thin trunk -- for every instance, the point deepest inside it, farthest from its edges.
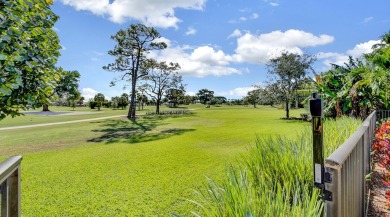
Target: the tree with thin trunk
(176, 92)
(133, 45)
(99, 100)
(205, 95)
(142, 98)
(253, 97)
(160, 78)
(66, 84)
(288, 70)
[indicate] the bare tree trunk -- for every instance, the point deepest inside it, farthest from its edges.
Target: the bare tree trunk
(158, 106)
(287, 110)
(131, 113)
(45, 108)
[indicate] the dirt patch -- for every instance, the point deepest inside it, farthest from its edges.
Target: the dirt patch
(379, 203)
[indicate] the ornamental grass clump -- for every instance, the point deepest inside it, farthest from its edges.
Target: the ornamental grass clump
(275, 177)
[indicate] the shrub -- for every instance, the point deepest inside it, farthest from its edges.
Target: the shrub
(275, 177)
(170, 112)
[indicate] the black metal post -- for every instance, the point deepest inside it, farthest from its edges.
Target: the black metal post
(315, 105)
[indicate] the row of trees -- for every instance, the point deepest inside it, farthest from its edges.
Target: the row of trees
(355, 88)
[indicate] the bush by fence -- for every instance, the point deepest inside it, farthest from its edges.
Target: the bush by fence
(170, 112)
(275, 177)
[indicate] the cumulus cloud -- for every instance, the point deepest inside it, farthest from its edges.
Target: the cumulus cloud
(236, 93)
(341, 58)
(236, 33)
(197, 61)
(191, 31)
(362, 48)
(88, 93)
(260, 48)
(330, 58)
(150, 12)
(274, 4)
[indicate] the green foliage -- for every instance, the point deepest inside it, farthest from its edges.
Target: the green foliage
(99, 100)
(205, 95)
(92, 104)
(360, 86)
(133, 45)
(123, 100)
(160, 78)
(29, 49)
(289, 70)
(275, 177)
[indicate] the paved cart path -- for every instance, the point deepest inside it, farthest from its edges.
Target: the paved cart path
(59, 123)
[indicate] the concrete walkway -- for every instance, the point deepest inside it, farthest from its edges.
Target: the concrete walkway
(59, 123)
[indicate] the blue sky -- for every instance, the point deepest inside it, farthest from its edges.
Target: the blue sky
(220, 45)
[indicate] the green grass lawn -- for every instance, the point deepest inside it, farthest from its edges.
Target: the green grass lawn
(148, 167)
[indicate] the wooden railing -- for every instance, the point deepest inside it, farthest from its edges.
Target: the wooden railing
(10, 186)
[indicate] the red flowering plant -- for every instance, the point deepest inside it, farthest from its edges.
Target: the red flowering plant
(381, 154)
(381, 145)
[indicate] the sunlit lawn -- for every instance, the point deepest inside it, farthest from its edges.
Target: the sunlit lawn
(117, 167)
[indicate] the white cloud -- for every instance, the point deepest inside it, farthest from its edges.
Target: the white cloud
(199, 61)
(191, 31)
(88, 93)
(191, 93)
(260, 48)
(243, 19)
(274, 4)
(235, 93)
(150, 12)
(235, 33)
(367, 19)
(341, 58)
(162, 39)
(95, 59)
(362, 48)
(332, 58)
(208, 55)
(56, 29)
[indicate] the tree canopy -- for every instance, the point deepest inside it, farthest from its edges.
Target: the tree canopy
(160, 78)
(289, 69)
(360, 85)
(205, 95)
(131, 49)
(29, 49)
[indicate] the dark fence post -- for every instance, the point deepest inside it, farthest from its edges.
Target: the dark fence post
(315, 105)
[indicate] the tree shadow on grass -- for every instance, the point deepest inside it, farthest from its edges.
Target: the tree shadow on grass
(144, 129)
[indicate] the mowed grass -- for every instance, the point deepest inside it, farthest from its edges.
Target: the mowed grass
(148, 167)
